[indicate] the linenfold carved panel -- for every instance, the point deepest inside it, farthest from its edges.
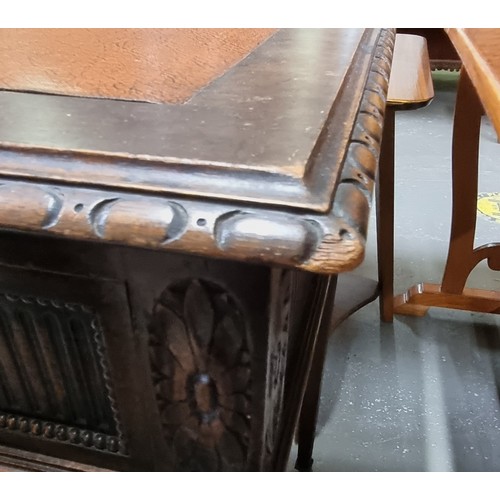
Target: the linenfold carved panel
(200, 360)
(54, 381)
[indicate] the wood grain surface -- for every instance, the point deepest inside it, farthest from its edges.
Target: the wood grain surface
(154, 65)
(264, 115)
(13, 460)
(410, 84)
(410, 87)
(295, 125)
(478, 50)
(417, 300)
(478, 88)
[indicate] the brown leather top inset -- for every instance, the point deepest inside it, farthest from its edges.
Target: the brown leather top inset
(155, 65)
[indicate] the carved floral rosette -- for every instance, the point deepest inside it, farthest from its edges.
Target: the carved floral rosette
(200, 362)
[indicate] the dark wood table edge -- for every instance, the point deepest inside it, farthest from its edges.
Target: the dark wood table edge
(323, 243)
(303, 185)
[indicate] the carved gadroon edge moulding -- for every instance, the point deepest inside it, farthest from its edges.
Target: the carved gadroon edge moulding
(324, 243)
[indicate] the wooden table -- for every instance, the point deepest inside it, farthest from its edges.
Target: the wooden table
(176, 205)
(478, 91)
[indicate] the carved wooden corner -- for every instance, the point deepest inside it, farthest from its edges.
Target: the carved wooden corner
(326, 238)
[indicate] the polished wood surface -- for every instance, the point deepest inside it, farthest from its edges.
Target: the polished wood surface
(265, 133)
(154, 65)
(410, 85)
(442, 54)
(265, 118)
(385, 218)
(419, 298)
(478, 50)
(465, 175)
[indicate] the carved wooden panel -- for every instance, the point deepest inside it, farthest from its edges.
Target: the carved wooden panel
(54, 381)
(200, 358)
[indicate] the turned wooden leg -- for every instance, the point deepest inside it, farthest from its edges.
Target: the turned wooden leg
(385, 218)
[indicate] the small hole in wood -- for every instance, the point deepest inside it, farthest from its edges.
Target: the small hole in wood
(78, 207)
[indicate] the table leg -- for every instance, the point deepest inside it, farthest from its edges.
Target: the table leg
(352, 293)
(465, 151)
(309, 409)
(462, 257)
(385, 218)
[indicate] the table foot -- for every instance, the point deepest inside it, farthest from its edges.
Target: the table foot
(304, 465)
(417, 300)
